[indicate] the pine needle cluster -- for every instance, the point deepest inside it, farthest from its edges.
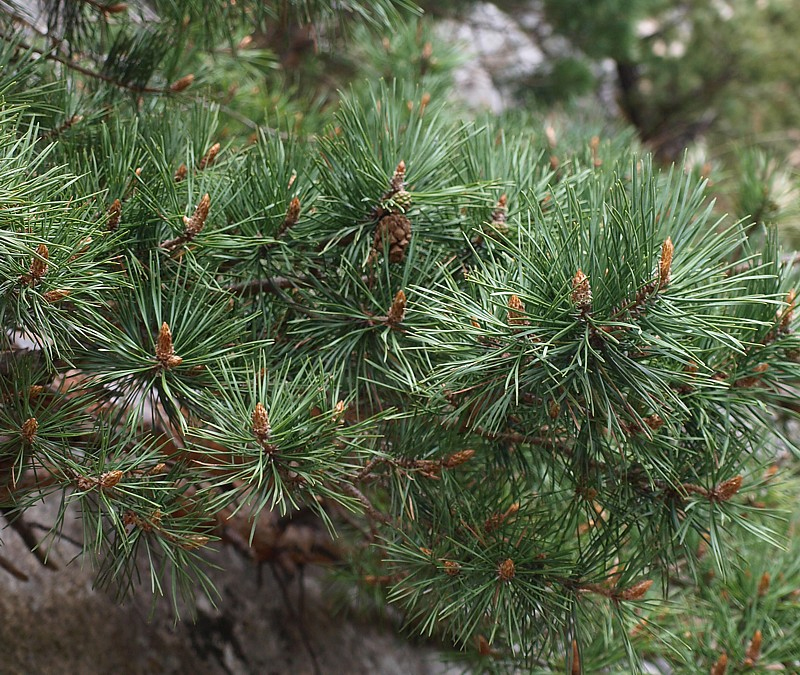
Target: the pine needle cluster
(523, 372)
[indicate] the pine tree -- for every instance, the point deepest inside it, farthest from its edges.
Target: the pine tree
(524, 375)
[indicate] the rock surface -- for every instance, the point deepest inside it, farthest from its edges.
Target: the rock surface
(56, 623)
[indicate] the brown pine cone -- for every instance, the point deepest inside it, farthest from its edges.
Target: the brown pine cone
(395, 228)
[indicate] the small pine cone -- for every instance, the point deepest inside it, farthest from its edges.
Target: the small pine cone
(110, 478)
(195, 224)
(506, 570)
(209, 158)
(398, 179)
(754, 650)
(721, 665)
(725, 490)
(581, 291)
(763, 584)
(397, 312)
(114, 212)
(261, 427)
(554, 409)
(458, 458)
(29, 428)
(786, 315)
(451, 568)
(576, 668)
(403, 200)
(165, 350)
(655, 422)
(292, 216)
(500, 213)
(665, 262)
(635, 592)
(396, 228)
(39, 264)
(516, 312)
(56, 294)
(180, 174)
(182, 83)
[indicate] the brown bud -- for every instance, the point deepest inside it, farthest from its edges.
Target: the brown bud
(754, 650)
(516, 312)
(787, 314)
(424, 101)
(292, 215)
(193, 541)
(209, 158)
(398, 179)
(655, 422)
(39, 265)
(397, 311)
(29, 428)
(198, 219)
(763, 584)
(116, 8)
(180, 174)
(581, 291)
(458, 458)
(576, 668)
(56, 294)
(635, 592)
(110, 478)
(553, 409)
(725, 490)
(181, 84)
(594, 145)
(165, 351)
(114, 212)
(500, 213)
(451, 568)
(665, 262)
(506, 570)
(554, 163)
(721, 665)
(261, 427)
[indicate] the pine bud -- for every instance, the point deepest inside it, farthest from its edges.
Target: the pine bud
(763, 584)
(754, 650)
(721, 665)
(516, 312)
(56, 294)
(110, 478)
(39, 264)
(725, 490)
(665, 262)
(655, 422)
(500, 213)
(553, 409)
(458, 458)
(451, 568)
(114, 212)
(576, 668)
(209, 158)
(395, 228)
(182, 83)
(635, 592)
(261, 427)
(195, 224)
(506, 570)
(787, 314)
(581, 291)
(292, 215)
(165, 351)
(180, 174)
(398, 309)
(29, 428)
(194, 541)
(398, 179)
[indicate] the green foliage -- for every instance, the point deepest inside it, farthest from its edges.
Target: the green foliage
(520, 371)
